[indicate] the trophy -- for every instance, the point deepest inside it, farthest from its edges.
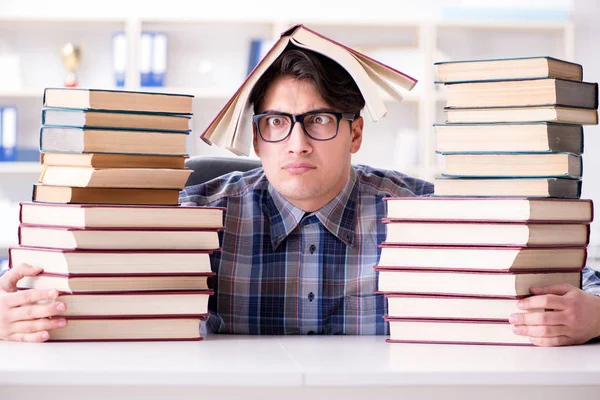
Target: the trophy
(70, 55)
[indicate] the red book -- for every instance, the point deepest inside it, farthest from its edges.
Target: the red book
(477, 233)
(492, 209)
(433, 307)
(122, 238)
(125, 216)
(149, 304)
(482, 258)
(483, 284)
(115, 283)
(453, 332)
(129, 329)
(112, 262)
(370, 76)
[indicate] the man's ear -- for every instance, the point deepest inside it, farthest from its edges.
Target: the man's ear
(357, 134)
(255, 140)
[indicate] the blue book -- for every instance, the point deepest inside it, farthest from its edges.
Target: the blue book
(119, 58)
(146, 59)
(159, 59)
(8, 134)
(258, 49)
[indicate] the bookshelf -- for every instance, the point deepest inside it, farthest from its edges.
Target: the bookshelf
(208, 55)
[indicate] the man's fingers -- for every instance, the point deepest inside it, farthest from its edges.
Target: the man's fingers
(552, 341)
(548, 301)
(545, 331)
(9, 280)
(538, 318)
(30, 296)
(37, 325)
(36, 337)
(29, 312)
(558, 289)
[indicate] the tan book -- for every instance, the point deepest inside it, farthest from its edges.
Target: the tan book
(564, 115)
(555, 165)
(88, 195)
(490, 209)
(116, 283)
(136, 304)
(509, 137)
(454, 332)
(135, 329)
(115, 120)
(232, 126)
(157, 178)
(113, 160)
(113, 262)
(117, 100)
(109, 216)
(510, 285)
(507, 68)
(482, 258)
(78, 140)
(456, 233)
(516, 187)
(523, 93)
(118, 238)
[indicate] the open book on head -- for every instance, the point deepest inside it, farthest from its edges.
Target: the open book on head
(232, 127)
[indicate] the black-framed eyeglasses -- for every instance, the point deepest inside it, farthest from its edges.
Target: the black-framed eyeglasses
(317, 125)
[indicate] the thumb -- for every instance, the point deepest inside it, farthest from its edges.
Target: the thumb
(558, 289)
(8, 282)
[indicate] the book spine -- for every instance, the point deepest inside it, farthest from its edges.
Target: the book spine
(10, 260)
(40, 140)
(461, 343)
(44, 103)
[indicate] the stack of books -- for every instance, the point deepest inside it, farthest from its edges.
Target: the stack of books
(105, 225)
(514, 127)
(506, 215)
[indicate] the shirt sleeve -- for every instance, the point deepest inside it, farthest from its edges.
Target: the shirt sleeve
(590, 281)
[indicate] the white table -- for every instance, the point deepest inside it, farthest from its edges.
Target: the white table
(299, 367)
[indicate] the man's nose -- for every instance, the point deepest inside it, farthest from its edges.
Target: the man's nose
(298, 141)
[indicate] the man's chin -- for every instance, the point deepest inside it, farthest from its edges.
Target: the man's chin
(298, 192)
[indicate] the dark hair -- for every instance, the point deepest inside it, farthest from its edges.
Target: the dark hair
(333, 83)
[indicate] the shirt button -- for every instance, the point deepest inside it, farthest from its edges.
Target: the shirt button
(311, 296)
(312, 248)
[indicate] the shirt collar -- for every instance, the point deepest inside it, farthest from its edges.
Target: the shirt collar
(338, 216)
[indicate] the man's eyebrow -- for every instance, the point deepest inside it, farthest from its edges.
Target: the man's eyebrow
(272, 111)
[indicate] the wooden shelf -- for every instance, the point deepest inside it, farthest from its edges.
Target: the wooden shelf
(199, 93)
(22, 93)
(514, 25)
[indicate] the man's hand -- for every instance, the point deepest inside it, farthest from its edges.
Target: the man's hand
(572, 316)
(21, 319)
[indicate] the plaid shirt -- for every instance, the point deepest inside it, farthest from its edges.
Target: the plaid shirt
(284, 271)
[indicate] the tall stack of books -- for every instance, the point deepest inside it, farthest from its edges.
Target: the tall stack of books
(105, 225)
(506, 214)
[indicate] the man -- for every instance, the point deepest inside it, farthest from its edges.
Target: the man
(302, 232)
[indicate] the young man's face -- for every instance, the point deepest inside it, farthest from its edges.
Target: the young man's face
(308, 173)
